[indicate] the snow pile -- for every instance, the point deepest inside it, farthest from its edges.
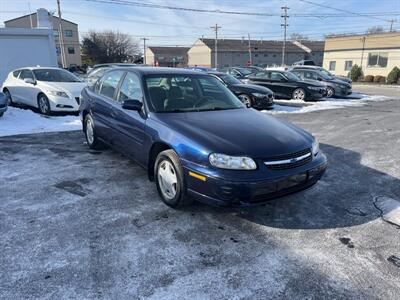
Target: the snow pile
(330, 103)
(24, 121)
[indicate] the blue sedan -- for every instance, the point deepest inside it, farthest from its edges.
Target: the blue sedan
(196, 139)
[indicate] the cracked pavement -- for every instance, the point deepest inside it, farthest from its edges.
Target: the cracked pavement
(84, 224)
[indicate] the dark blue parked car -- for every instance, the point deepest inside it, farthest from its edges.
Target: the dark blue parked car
(196, 139)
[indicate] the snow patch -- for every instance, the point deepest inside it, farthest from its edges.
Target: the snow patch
(330, 103)
(24, 121)
(390, 209)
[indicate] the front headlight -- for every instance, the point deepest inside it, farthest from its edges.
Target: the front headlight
(58, 93)
(315, 147)
(258, 95)
(223, 161)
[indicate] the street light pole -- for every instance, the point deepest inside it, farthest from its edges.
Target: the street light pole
(216, 27)
(285, 25)
(61, 36)
(144, 49)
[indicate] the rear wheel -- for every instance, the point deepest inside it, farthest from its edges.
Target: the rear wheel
(299, 94)
(44, 105)
(246, 99)
(8, 96)
(169, 179)
(330, 92)
(1, 114)
(90, 133)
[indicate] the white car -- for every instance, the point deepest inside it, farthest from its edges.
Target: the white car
(48, 89)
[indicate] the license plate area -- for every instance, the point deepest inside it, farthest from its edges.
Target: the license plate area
(292, 181)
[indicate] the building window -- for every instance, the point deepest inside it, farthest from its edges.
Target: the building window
(58, 50)
(274, 55)
(378, 59)
(332, 65)
(256, 55)
(68, 33)
(265, 55)
(55, 31)
(348, 64)
(71, 50)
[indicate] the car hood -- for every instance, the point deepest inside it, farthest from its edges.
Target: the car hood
(315, 83)
(343, 78)
(238, 132)
(340, 82)
(72, 88)
(250, 88)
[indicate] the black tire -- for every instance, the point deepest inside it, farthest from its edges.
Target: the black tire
(43, 105)
(1, 114)
(330, 92)
(180, 198)
(246, 99)
(299, 94)
(90, 133)
(8, 97)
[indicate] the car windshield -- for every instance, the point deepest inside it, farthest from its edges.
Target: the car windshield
(291, 76)
(54, 75)
(229, 79)
(324, 75)
(189, 93)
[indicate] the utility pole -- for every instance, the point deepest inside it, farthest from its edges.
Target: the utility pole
(216, 27)
(61, 36)
(144, 49)
(284, 25)
(250, 60)
(391, 25)
(362, 52)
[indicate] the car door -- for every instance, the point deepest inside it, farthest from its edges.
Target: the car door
(105, 107)
(11, 84)
(26, 92)
(129, 124)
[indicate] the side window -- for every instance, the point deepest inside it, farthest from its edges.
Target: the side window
(109, 83)
(276, 76)
(299, 74)
(310, 75)
(16, 73)
(263, 75)
(130, 88)
(26, 74)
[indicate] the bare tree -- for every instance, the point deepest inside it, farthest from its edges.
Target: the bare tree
(375, 29)
(295, 36)
(108, 47)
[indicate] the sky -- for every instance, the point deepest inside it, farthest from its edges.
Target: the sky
(182, 28)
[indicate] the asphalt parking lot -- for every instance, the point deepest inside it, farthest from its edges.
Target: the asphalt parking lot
(83, 224)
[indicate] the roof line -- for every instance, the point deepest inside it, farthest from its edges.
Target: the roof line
(35, 13)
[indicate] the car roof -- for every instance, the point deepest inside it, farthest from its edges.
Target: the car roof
(38, 68)
(307, 67)
(217, 73)
(161, 71)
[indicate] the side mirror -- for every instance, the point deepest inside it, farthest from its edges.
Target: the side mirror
(29, 80)
(132, 105)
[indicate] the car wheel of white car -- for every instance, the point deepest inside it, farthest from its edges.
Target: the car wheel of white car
(299, 94)
(8, 97)
(330, 92)
(245, 99)
(90, 133)
(44, 105)
(169, 179)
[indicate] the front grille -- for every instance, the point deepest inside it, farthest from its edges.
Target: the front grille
(298, 159)
(77, 100)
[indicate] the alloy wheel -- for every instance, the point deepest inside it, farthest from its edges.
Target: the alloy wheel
(167, 179)
(330, 92)
(89, 131)
(299, 94)
(8, 97)
(245, 99)
(44, 105)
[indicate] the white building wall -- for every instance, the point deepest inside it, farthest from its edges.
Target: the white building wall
(21, 47)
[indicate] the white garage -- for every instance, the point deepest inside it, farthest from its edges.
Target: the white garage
(22, 47)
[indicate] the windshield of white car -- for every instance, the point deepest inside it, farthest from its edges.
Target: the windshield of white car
(189, 93)
(54, 75)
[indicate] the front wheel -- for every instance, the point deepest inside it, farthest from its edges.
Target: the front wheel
(8, 97)
(1, 114)
(299, 94)
(245, 99)
(169, 179)
(330, 92)
(90, 133)
(44, 105)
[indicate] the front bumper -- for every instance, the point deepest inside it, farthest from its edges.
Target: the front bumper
(263, 102)
(316, 94)
(231, 192)
(64, 104)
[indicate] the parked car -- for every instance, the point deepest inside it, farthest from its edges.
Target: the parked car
(196, 139)
(237, 72)
(48, 89)
(325, 71)
(305, 62)
(98, 71)
(334, 86)
(3, 104)
(288, 85)
(251, 95)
